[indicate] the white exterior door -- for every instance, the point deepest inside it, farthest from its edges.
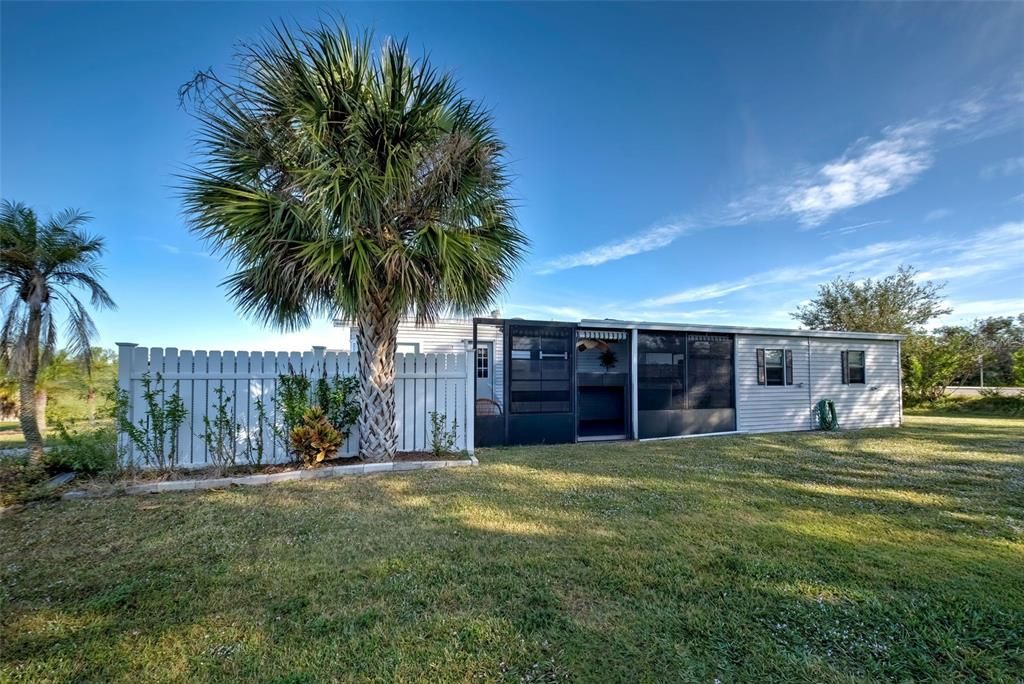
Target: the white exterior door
(485, 371)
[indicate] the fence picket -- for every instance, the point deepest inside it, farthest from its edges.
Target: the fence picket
(200, 386)
(424, 383)
(185, 386)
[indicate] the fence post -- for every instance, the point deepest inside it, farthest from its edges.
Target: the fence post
(125, 352)
(470, 395)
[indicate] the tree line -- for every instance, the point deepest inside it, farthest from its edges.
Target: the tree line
(988, 351)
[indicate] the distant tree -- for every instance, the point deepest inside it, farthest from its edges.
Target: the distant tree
(100, 377)
(933, 362)
(58, 375)
(898, 303)
(1018, 367)
(42, 267)
(998, 338)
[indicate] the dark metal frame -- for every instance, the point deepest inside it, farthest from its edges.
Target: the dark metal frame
(631, 393)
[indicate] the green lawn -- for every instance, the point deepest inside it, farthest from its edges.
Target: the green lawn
(11, 437)
(879, 554)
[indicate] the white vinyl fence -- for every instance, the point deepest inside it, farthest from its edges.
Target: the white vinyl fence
(425, 383)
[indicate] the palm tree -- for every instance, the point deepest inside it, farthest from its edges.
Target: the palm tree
(339, 181)
(42, 265)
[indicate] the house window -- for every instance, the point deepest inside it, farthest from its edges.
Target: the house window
(407, 348)
(774, 367)
(482, 365)
(853, 370)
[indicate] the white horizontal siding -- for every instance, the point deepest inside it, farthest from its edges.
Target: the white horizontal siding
(451, 335)
(876, 403)
(771, 408)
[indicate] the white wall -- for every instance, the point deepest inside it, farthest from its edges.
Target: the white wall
(454, 335)
(817, 375)
(772, 408)
(876, 403)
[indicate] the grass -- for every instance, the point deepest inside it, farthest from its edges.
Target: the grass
(11, 437)
(860, 556)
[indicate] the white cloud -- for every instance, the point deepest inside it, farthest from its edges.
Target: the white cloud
(877, 255)
(981, 308)
(170, 249)
(857, 227)
(1007, 167)
(651, 239)
(989, 252)
(937, 215)
(869, 170)
(544, 312)
(766, 297)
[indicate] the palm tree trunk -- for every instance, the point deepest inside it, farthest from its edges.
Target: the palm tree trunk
(41, 399)
(377, 335)
(27, 390)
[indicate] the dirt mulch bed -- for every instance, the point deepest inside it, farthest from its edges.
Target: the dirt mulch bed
(152, 475)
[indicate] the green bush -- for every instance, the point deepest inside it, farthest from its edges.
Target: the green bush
(315, 439)
(335, 397)
(21, 481)
(442, 440)
(88, 450)
(1003, 404)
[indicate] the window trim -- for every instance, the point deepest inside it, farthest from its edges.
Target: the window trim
(486, 367)
(414, 345)
(781, 366)
(847, 376)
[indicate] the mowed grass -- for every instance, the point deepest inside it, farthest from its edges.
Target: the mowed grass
(859, 556)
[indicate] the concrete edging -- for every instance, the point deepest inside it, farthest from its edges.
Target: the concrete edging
(286, 476)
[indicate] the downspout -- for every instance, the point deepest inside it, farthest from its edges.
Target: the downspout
(810, 386)
(634, 412)
(899, 365)
(735, 383)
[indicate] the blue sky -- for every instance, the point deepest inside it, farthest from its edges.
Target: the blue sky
(675, 162)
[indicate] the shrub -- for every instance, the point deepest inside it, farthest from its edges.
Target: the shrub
(89, 450)
(292, 399)
(315, 439)
(21, 481)
(338, 397)
(255, 448)
(1003, 404)
(222, 433)
(155, 436)
(442, 440)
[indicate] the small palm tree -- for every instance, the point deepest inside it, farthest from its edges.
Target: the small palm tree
(340, 181)
(42, 265)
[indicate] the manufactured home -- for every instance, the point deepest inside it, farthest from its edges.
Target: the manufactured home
(557, 382)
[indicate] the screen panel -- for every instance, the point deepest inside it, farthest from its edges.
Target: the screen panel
(684, 383)
(540, 369)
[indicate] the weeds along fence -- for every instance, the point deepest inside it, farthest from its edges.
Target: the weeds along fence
(425, 384)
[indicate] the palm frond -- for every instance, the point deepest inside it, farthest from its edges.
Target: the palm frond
(333, 177)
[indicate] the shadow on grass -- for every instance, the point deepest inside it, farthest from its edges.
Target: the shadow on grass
(812, 557)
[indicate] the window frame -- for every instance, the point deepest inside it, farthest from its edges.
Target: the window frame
(485, 357)
(414, 345)
(781, 367)
(863, 366)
